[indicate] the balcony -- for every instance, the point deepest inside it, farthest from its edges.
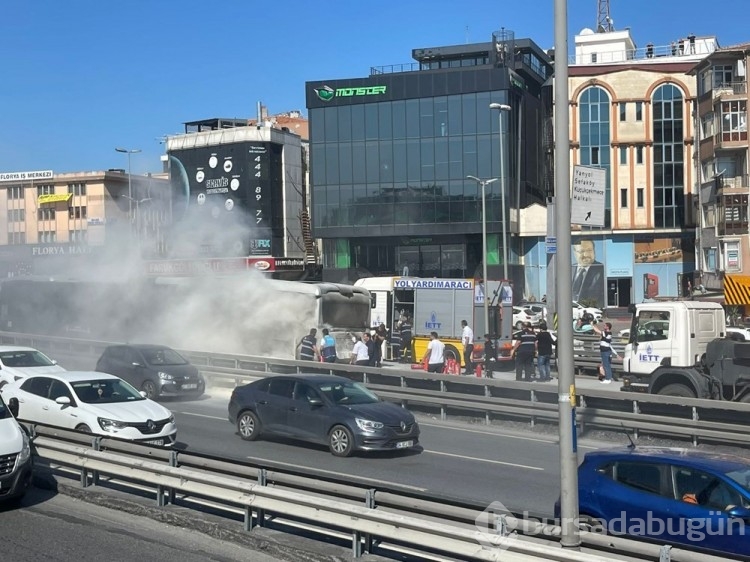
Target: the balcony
(729, 89)
(737, 182)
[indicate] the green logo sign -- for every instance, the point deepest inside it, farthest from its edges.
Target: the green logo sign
(326, 93)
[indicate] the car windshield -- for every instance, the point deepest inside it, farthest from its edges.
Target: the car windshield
(742, 477)
(348, 393)
(25, 358)
(105, 391)
(163, 356)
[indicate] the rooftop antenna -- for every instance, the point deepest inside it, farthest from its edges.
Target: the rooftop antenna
(466, 29)
(625, 431)
(604, 23)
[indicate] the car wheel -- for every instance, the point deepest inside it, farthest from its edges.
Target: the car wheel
(83, 427)
(150, 389)
(677, 389)
(248, 426)
(341, 441)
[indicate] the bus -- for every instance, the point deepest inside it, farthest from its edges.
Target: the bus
(244, 314)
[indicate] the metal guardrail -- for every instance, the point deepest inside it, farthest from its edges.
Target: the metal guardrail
(264, 490)
(691, 418)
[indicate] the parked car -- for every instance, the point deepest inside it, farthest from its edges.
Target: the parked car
(15, 456)
(579, 310)
(668, 487)
(18, 362)
(325, 409)
(92, 402)
(738, 334)
(523, 315)
(539, 310)
(157, 370)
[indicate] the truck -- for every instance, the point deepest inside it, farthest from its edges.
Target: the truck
(439, 305)
(681, 348)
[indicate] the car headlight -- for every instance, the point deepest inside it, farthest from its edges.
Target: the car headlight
(368, 425)
(111, 425)
(25, 453)
(165, 376)
(171, 419)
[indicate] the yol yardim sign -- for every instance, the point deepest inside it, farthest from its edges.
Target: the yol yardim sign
(587, 196)
(27, 176)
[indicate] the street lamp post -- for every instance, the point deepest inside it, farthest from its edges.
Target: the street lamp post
(138, 214)
(484, 183)
(503, 184)
(130, 185)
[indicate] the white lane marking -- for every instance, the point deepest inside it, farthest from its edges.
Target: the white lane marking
(483, 460)
(387, 482)
(200, 415)
(550, 441)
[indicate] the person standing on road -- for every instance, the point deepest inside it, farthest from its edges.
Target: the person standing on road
(371, 347)
(490, 356)
(360, 355)
(435, 354)
(328, 347)
(308, 348)
(605, 350)
(524, 351)
(381, 335)
(544, 352)
(396, 341)
(467, 338)
(406, 340)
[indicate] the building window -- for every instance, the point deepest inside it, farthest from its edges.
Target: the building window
(624, 198)
(77, 213)
(734, 121)
(623, 155)
(595, 136)
(15, 192)
(77, 188)
(15, 238)
(47, 237)
(16, 215)
(593, 57)
(639, 154)
(623, 111)
(78, 235)
(734, 215)
(639, 111)
(46, 214)
(45, 190)
(709, 258)
(639, 198)
(669, 165)
(732, 258)
(722, 75)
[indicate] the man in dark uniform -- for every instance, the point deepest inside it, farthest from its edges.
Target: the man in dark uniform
(406, 340)
(490, 355)
(396, 341)
(524, 352)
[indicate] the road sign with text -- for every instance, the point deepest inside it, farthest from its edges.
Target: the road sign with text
(588, 196)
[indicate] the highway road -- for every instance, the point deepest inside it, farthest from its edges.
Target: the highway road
(58, 527)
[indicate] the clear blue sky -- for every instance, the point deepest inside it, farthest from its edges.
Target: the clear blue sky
(81, 77)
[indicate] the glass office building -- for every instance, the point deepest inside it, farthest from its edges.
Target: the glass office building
(390, 156)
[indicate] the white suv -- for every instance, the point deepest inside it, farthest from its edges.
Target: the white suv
(15, 456)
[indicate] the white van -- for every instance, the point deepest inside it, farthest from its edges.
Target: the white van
(15, 455)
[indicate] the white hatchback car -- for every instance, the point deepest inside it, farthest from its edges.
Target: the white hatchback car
(92, 402)
(17, 363)
(579, 310)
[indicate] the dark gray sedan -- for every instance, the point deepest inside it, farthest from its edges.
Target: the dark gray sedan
(330, 410)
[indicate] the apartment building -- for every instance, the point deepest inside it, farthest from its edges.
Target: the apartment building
(723, 233)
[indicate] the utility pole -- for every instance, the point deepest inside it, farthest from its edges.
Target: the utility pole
(566, 399)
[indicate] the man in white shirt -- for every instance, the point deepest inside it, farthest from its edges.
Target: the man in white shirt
(467, 338)
(360, 355)
(436, 353)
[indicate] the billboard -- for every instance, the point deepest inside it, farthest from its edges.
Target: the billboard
(235, 191)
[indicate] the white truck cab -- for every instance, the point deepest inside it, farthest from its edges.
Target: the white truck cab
(15, 455)
(671, 334)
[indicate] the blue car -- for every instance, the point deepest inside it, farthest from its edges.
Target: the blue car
(673, 496)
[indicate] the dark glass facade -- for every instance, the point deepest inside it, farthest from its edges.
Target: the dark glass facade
(390, 156)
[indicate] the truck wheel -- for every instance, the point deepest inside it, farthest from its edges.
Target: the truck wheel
(677, 389)
(452, 353)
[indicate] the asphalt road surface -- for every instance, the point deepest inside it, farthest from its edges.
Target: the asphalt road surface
(55, 527)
